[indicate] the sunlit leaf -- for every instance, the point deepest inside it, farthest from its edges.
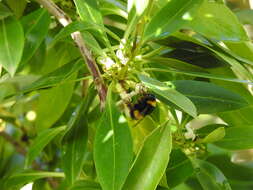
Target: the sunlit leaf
(237, 138)
(151, 161)
(215, 20)
(176, 12)
(11, 43)
(112, 147)
(36, 26)
(85, 185)
(168, 94)
(20, 179)
(4, 11)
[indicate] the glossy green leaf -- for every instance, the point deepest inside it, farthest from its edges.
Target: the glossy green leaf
(245, 16)
(89, 12)
(205, 130)
(55, 77)
(236, 66)
(53, 102)
(4, 11)
(209, 176)
(168, 94)
(19, 179)
(230, 169)
(179, 168)
(151, 161)
(17, 7)
(171, 63)
(113, 149)
(199, 74)
(11, 44)
(109, 8)
(73, 27)
(215, 135)
(85, 185)
(86, 28)
(136, 10)
(215, 20)
(75, 140)
(41, 141)
(92, 43)
(36, 26)
(237, 138)
(208, 97)
(243, 49)
(176, 12)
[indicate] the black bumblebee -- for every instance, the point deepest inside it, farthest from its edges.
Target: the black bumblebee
(145, 106)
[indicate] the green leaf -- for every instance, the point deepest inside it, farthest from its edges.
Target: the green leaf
(55, 77)
(237, 138)
(177, 12)
(85, 185)
(52, 104)
(89, 12)
(11, 44)
(85, 28)
(41, 141)
(168, 94)
(136, 10)
(179, 168)
(35, 26)
(245, 16)
(112, 147)
(205, 130)
(215, 135)
(20, 179)
(209, 176)
(199, 74)
(215, 20)
(208, 97)
(171, 63)
(17, 7)
(231, 169)
(76, 140)
(152, 160)
(4, 11)
(109, 8)
(243, 51)
(73, 27)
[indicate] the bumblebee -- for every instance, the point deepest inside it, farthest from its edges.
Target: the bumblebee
(145, 106)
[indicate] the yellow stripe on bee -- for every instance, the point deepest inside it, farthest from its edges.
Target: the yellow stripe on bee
(152, 103)
(137, 114)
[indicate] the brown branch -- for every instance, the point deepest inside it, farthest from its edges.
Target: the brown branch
(12, 141)
(77, 37)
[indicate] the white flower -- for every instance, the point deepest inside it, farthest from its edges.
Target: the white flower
(107, 62)
(121, 57)
(190, 133)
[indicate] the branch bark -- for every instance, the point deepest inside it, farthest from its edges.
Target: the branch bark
(15, 143)
(86, 53)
